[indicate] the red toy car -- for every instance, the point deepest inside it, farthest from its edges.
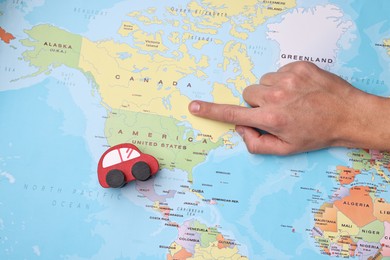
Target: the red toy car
(123, 163)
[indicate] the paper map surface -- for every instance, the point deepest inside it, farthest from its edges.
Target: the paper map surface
(77, 77)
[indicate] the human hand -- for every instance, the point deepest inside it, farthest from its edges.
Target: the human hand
(302, 107)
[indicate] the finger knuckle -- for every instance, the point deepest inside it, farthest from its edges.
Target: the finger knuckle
(252, 148)
(275, 120)
(277, 95)
(303, 67)
(229, 114)
(246, 93)
(290, 79)
(266, 78)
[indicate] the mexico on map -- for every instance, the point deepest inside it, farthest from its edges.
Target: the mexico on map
(78, 77)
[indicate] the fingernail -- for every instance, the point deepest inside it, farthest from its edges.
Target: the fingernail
(194, 107)
(240, 131)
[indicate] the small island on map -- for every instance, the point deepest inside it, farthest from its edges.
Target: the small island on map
(6, 36)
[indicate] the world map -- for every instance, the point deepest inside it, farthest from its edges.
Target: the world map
(77, 77)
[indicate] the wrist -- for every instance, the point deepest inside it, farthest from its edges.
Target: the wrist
(367, 123)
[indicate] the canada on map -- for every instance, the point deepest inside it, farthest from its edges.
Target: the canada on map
(78, 77)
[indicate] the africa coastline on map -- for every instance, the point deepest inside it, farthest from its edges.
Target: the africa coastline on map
(78, 77)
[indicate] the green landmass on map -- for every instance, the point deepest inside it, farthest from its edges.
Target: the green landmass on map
(171, 143)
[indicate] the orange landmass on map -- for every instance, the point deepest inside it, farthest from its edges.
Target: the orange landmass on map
(182, 254)
(347, 240)
(358, 206)
(327, 219)
(346, 175)
(382, 210)
(5, 36)
(221, 240)
(326, 250)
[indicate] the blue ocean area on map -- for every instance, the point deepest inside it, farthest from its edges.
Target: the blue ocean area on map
(67, 190)
(271, 194)
(366, 59)
(81, 13)
(35, 142)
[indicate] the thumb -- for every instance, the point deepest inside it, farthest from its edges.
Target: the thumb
(258, 143)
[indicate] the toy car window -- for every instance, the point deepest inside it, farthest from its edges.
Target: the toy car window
(111, 158)
(128, 154)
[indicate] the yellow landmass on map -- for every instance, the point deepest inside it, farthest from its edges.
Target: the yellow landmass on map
(197, 29)
(215, 21)
(213, 14)
(387, 43)
(215, 252)
(199, 44)
(134, 14)
(222, 94)
(236, 55)
(150, 42)
(144, 41)
(127, 28)
(145, 83)
(174, 249)
(186, 27)
(255, 13)
(241, 35)
(218, 41)
(147, 21)
(345, 226)
(174, 37)
(175, 23)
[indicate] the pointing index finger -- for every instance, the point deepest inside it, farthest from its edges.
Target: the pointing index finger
(233, 114)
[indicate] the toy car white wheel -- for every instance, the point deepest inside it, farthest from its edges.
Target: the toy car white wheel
(115, 179)
(141, 171)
